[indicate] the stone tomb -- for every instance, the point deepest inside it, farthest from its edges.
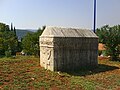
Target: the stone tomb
(66, 49)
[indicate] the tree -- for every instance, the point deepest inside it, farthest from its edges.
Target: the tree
(30, 42)
(2, 27)
(110, 36)
(1, 44)
(11, 27)
(15, 31)
(7, 28)
(8, 39)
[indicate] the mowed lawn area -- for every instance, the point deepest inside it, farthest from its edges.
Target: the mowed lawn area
(25, 73)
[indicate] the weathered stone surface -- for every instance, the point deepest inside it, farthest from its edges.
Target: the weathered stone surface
(63, 49)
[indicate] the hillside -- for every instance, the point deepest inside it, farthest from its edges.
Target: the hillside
(22, 32)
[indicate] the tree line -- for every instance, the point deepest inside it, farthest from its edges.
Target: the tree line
(9, 43)
(8, 39)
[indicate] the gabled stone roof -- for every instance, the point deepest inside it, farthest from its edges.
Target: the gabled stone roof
(67, 32)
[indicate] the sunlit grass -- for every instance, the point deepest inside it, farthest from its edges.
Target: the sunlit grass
(25, 73)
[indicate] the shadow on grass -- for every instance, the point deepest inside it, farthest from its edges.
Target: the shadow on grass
(99, 69)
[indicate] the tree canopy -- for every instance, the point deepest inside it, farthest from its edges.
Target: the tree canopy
(110, 36)
(30, 42)
(8, 39)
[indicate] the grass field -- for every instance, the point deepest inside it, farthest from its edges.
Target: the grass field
(24, 73)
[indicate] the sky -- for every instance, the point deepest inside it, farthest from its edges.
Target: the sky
(32, 14)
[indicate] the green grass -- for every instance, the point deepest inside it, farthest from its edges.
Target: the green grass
(25, 73)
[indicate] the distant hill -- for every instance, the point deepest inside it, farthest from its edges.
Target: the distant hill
(22, 32)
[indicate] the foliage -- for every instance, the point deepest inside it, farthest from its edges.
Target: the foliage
(30, 42)
(8, 39)
(110, 36)
(11, 27)
(8, 53)
(24, 73)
